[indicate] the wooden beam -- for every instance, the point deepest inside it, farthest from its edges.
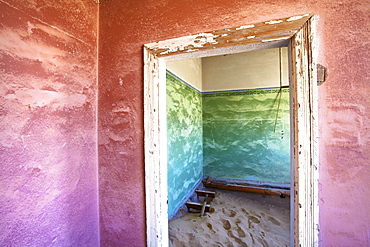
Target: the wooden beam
(211, 194)
(198, 206)
(263, 32)
(249, 183)
(232, 185)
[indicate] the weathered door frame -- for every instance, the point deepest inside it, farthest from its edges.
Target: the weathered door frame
(296, 32)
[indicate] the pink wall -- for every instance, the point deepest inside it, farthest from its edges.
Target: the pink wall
(343, 34)
(48, 130)
(48, 88)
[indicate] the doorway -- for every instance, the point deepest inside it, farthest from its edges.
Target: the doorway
(296, 33)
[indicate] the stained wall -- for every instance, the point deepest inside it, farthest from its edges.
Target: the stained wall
(240, 134)
(246, 135)
(184, 140)
(342, 47)
(48, 88)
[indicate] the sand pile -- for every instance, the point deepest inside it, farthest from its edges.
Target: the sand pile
(240, 219)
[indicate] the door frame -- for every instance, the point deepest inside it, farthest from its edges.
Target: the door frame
(298, 33)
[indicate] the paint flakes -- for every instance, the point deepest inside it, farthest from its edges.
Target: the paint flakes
(192, 50)
(294, 18)
(182, 44)
(273, 22)
(275, 39)
(251, 37)
(239, 39)
(245, 27)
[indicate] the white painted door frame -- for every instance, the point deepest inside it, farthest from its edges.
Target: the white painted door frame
(296, 32)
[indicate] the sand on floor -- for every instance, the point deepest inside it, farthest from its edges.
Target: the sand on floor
(240, 219)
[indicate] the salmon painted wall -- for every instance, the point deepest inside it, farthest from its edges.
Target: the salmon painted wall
(343, 31)
(120, 130)
(48, 88)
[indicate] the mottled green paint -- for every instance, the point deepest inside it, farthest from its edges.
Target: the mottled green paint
(238, 135)
(184, 135)
(226, 135)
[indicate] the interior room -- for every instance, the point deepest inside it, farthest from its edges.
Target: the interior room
(228, 119)
(72, 117)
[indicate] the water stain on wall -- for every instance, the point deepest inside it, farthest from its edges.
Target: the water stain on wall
(184, 139)
(226, 135)
(242, 137)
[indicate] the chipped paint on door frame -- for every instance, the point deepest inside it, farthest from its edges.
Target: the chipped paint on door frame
(296, 32)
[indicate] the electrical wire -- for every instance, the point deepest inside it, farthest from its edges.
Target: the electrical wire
(280, 91)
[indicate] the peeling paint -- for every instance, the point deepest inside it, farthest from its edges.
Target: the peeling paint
(226, 37)
(343, 28)
(294, 18)
(275, 39)
(239, 39)
(156, 195)
(273, 22)
(192, 50)
(244, 27)
(174, 45)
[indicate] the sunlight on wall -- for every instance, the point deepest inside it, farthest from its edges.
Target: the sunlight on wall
(238, 135)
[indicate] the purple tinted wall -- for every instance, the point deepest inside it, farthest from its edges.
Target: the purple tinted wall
(48, 88)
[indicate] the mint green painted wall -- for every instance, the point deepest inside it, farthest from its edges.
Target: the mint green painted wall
(184, 133)
(226, 135)
(238, 135)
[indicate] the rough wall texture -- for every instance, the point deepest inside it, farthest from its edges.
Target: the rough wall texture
(47, 96)
(48, 171)
(184, 140)
(120, 124)
(343, 31)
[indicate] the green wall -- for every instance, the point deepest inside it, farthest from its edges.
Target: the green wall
(184, 134)
(238, 135)
(225, 135)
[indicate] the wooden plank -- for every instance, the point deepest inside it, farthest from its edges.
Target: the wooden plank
(198, 206)
(156, 203)
(204, 206)
(280, 29)
(285, 186)
(211, 194)
(261, 190)
(305, 137)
